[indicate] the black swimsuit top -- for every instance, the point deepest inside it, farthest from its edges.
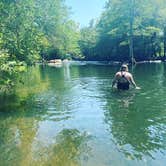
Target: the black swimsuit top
(124, 85)
(125, 80)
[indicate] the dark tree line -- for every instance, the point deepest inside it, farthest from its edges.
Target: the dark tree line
(127, 28)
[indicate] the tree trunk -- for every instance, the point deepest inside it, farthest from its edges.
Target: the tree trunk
(131, 31)
(164, 42)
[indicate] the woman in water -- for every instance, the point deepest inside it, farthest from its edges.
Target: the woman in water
(123, 79)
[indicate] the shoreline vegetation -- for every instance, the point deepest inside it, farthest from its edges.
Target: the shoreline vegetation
(59, 62)
(34, 30)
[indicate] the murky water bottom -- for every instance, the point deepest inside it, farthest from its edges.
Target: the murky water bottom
(69, 116)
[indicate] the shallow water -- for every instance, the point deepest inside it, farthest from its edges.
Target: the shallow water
(69, 116)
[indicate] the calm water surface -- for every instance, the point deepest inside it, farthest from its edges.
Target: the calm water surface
(69, 116)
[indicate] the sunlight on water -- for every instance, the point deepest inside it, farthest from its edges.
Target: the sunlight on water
(70, 116)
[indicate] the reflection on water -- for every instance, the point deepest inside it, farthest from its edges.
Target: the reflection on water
(63, 149)
(69, 116)
(136, 129)
(23, 143)
(137, 118)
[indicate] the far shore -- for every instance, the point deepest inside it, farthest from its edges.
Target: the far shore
(59, 62)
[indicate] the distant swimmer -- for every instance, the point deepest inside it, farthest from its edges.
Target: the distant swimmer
(123, 79)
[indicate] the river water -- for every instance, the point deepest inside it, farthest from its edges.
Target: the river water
(70, 116)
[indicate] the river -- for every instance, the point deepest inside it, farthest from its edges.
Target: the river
(70, 116)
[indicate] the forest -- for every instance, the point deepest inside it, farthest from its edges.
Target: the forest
(35, 30)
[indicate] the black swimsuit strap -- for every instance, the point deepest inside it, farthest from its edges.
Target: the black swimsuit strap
(123, 75)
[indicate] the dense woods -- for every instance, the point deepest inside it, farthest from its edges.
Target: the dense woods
(128, 27)
(32, 30)
(35, 30)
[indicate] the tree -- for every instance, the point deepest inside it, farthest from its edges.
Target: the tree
(61, 32)
(34, 29)
(128, 27)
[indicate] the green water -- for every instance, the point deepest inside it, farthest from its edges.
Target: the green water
(69, 116)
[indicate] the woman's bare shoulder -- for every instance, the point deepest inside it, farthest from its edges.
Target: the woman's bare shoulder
(128, 74)
(118, 73)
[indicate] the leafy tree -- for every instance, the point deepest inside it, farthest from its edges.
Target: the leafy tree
(129, 28)
(20, 36)
(9, 69)
(34, 29)
(52, 18)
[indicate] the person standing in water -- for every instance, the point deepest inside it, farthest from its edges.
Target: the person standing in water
(123, 79)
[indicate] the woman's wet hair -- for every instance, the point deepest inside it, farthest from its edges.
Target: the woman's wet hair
(124, 68)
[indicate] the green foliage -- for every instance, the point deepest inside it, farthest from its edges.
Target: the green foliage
(9, 70)
(88, 41)
(32, 30)
(19, 33)
(141, 21)
(52, 18)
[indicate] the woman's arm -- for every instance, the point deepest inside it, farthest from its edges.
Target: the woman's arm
(133, 82)
(114, 80)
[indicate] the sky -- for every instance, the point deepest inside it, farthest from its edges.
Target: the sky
(85, 10)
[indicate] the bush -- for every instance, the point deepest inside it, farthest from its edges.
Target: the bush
(9, 69)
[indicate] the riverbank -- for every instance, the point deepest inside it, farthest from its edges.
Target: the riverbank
(59, 63)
